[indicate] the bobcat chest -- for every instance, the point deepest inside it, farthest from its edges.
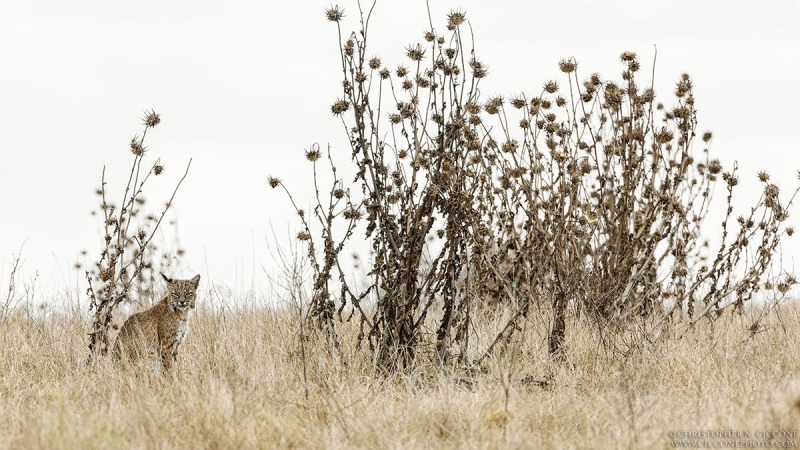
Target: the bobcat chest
(180, 333)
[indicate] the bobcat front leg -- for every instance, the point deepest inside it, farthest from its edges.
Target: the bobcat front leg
(169, 354)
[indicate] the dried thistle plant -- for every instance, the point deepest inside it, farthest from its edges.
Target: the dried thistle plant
(589, 196)
(125, 266)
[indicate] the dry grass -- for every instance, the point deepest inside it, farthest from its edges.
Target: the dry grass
(240, 385)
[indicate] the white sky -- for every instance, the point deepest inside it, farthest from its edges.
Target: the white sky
(245, 87)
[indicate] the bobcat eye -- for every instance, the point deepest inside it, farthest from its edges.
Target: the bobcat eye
(175, 295)
(190, 295)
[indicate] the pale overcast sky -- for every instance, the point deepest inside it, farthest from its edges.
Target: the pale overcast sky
(244, 86)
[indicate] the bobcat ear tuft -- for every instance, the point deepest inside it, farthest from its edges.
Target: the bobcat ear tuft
(196, 281)
(166, 278)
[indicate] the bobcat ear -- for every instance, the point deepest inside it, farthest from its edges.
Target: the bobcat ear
(166, 278)
(195, 281)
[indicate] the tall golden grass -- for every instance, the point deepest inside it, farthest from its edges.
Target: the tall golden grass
(240, 384)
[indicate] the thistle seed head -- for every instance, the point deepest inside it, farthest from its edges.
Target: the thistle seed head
(352, 214)
(479, 70)
(151, 119)
(334, 13)
(339, 107)
(567, 65)
(136, 146)
(455, 18)
(415, 52)
(374, 63)
(551, 87)
(313, 155)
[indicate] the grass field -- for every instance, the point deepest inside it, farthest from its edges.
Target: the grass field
(240, 384)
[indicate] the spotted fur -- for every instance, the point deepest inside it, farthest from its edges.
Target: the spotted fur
(157, 333)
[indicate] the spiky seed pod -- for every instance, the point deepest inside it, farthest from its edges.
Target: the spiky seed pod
(136, 146)
(771, 191)
(415, 52)
(361, 77)
(492, 106)
(509, 146)
(714, 167)
(151, 119)
(560, 101)
(627, 56)
(429, 36)
(450, 53)
(303, 236)
(455, 18)
(339, 107)
(395, 118)
(567, 65)
(334, 13)
(663, 136)
(274, 182)
(648, 95)
(352, 214)
(763, 176)
(374, 63)
(707, 136)
(479, 70)
(472, 107)
(313, 155)
(407, 85)
(518, 102)
(384, 73)
(158, 169)
(551, 87)
(684, 86)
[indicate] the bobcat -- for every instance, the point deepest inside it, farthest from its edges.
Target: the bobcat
(157, 332)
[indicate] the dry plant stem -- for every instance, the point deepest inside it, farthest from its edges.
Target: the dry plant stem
(10, 301)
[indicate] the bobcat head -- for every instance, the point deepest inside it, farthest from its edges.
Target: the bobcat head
(181, 294)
